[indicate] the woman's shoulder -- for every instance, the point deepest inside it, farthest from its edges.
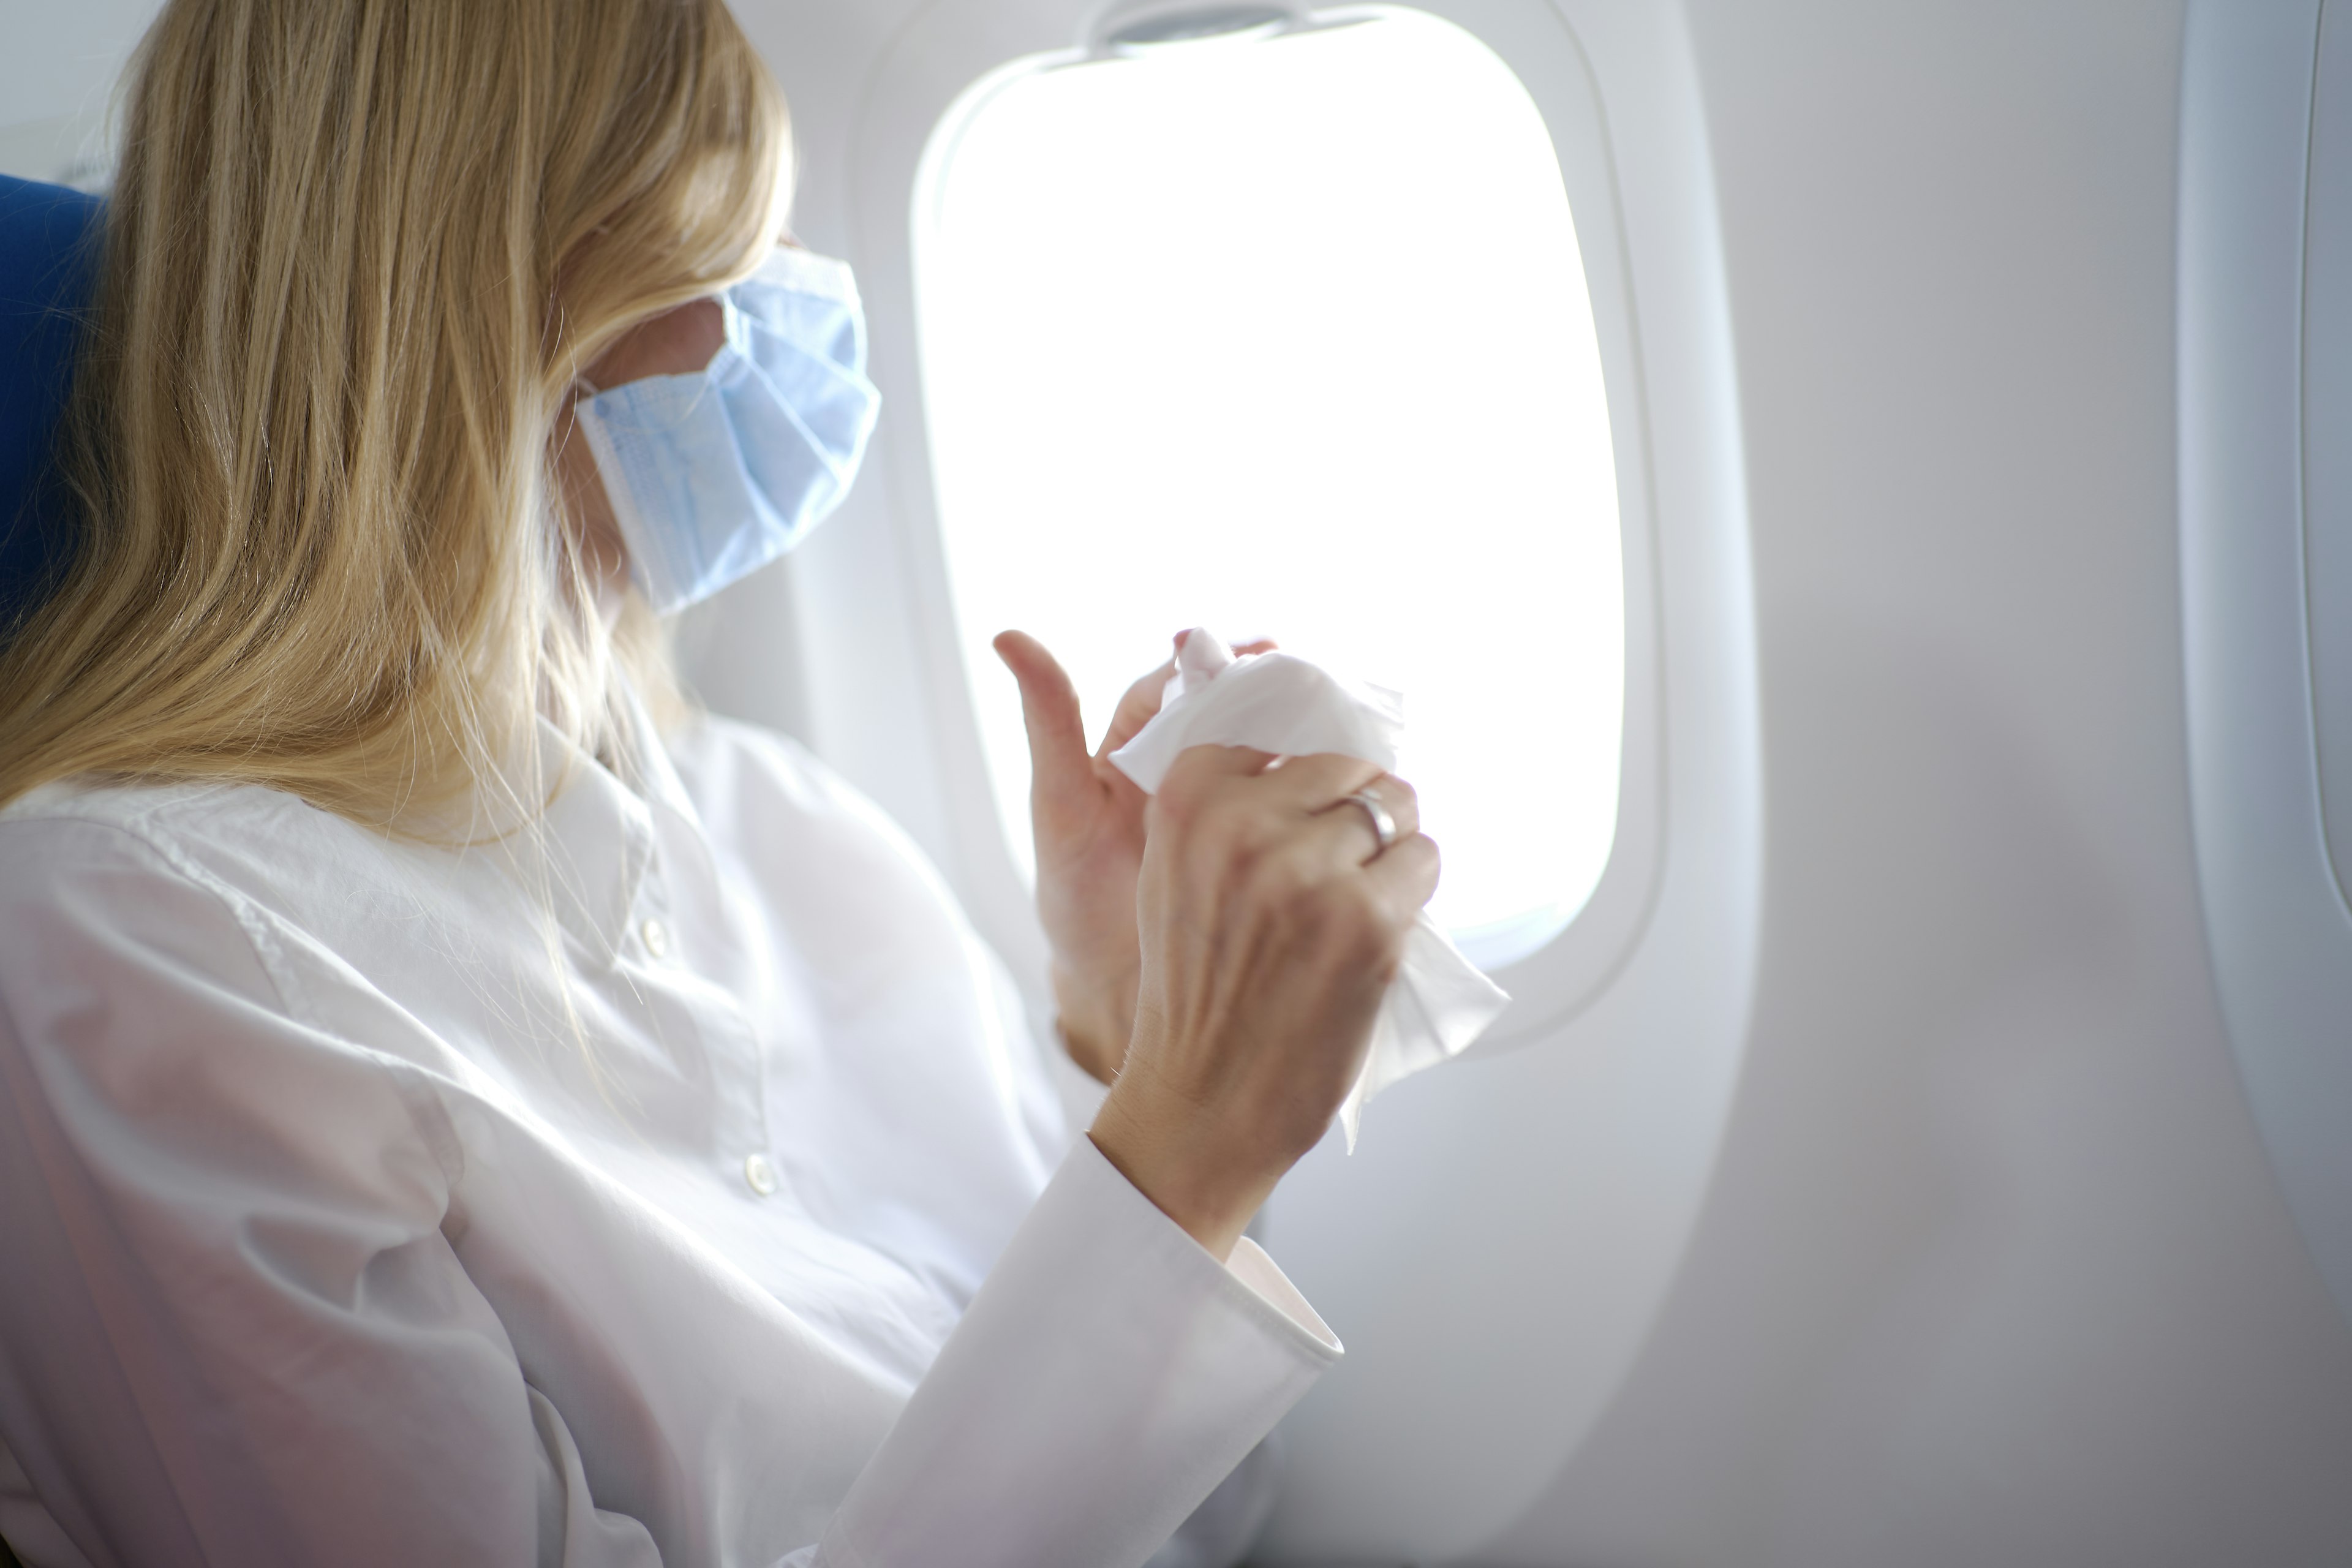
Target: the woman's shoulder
(118, 880)
(242, 844)
(246, 893)
(74, 819)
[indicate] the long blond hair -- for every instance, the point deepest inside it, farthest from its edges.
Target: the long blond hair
(357, 252)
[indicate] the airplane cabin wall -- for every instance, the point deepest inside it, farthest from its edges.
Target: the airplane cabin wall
(57, 77)
(1993, 1270)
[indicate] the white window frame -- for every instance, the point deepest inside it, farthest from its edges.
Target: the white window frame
(2276, 920)
(1562, 976)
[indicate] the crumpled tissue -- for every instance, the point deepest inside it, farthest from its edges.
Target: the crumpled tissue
(1439, 1001)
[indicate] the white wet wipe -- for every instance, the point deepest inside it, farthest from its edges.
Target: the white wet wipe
(1439, 1001)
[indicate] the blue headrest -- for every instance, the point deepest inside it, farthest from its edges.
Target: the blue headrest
(49, 255)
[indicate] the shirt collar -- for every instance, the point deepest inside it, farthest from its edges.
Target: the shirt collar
(598, 829)
(591, 847)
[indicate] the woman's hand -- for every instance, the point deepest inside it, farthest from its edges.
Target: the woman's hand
(1089, 819)
(1272, 923)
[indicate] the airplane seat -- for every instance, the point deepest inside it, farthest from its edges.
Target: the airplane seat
(47, 266)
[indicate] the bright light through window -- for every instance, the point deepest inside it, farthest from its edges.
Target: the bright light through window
(1290, 337)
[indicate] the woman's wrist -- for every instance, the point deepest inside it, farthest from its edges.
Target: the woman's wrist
(1182, 1169)
(1095, 1021)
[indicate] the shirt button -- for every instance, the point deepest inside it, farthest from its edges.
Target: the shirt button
(761, 1174)
(657, 937)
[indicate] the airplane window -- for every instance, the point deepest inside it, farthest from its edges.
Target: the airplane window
(1290, 337)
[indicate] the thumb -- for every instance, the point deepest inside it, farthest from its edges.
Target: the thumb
(1060, 769)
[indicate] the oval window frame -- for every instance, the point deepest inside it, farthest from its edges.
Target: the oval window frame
(1566, 973)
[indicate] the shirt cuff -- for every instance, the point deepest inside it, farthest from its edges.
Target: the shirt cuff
(1108, 1373)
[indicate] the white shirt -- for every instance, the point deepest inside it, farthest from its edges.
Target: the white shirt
(327, 1238)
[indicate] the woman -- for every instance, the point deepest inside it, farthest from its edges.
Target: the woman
(456, 1105)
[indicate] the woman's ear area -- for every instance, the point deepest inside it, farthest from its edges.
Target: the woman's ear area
(679, 341)
(676, 342)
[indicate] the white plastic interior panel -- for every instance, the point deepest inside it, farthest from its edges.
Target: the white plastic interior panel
(2327, 425)
(2266, 542)
(1496, 1251)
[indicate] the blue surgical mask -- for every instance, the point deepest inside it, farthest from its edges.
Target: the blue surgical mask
(715, 474)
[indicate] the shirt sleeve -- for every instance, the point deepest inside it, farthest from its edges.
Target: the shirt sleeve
(233, 1329)
(1108, 1374)
(1218, 1531)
